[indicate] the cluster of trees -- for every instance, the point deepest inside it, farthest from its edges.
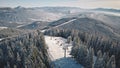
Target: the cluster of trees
(88, 44)
(85, 56)
(10, 32)
(24, 51)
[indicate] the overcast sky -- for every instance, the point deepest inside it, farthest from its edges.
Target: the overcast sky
(69, 3)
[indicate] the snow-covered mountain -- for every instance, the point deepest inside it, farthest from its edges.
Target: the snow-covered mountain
(27, 15)
(22, 15)
(60, 17)
(108, 10)
(91, 22)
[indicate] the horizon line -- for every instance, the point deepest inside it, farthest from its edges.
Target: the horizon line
(59, 6)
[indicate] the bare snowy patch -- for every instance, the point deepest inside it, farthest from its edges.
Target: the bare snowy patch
(56, 50)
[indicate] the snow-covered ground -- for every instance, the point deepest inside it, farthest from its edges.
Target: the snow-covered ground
(3, 27)
(65, 23)
(55, 48)
(20, 26)
(110, 13)
(1, 39)
(60, 25)
(56, 45)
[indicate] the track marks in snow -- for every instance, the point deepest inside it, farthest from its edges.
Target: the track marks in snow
(57, 53)
(65, 23)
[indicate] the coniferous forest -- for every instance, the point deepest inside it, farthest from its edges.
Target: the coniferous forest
(91, 51)
(25, 51)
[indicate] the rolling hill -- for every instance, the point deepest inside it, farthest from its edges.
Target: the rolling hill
(102, 24)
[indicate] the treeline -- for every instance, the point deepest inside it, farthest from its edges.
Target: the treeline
(11, 32)
(92, 51)
(86, 56)
(24, 51)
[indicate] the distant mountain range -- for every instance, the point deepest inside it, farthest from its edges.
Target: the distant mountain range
(24, 15)
(108, 10)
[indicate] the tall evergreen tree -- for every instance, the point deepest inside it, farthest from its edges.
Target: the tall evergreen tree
(111, 62)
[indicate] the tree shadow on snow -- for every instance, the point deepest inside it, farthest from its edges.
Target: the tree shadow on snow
(66, 63)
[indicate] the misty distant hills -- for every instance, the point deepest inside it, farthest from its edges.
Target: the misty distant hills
(27, 15)
(22, 15)
(109, 10)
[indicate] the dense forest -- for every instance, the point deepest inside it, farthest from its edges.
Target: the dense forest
(91, 50)
(10, 32)
(24, 51)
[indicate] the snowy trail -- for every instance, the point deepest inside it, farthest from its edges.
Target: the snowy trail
(0, 39)
(54, 48)
(57, 52)
(59, 25)
(65, 23)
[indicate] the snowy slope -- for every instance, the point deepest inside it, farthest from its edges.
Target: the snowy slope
(57, 52)
(0, 39)
(55, 49)
(3, 27)
(65, 23)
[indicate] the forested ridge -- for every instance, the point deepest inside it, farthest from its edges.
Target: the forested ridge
(9, 32)
(91, 50)
(24, 51)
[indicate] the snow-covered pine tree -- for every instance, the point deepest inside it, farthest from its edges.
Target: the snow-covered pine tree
(89, 58)
(111, 62)
(99, 61)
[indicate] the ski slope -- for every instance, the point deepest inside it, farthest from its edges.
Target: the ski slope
(3, 27)
(59, 25)
(65, 23)
(0, 39)
(57, 53)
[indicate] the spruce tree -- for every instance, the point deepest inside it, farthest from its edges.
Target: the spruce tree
(111, 62)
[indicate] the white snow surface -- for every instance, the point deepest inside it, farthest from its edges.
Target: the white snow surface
(3, 27)
(65, 23)
(70, 21)
(56, 52)
(0, 39)
(54, 47)
(20, 26)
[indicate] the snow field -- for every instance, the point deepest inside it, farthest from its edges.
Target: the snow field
(55, 45)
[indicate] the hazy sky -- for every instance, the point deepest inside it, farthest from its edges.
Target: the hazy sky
(70, 3)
